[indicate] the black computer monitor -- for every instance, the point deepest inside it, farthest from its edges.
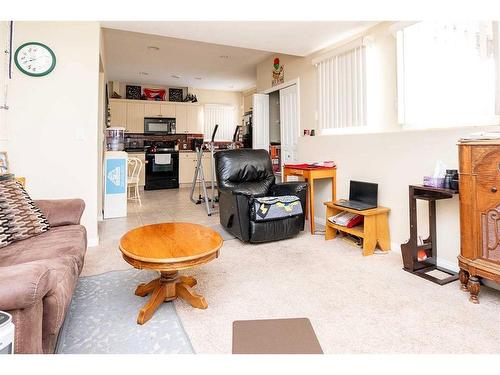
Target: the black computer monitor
(365, 192)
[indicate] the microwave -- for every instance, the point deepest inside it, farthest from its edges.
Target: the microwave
(159, 125)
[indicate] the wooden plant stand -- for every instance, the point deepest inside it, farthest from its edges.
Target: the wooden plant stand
(410, 249)
(374, 230)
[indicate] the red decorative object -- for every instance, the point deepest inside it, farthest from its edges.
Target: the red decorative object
(155, 94)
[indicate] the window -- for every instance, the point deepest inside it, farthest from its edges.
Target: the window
(224, 116)
(342, 88)
(447, 74)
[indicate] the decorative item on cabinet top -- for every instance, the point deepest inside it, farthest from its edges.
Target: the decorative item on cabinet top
(175, 95)
(133, 92)
(155, 94)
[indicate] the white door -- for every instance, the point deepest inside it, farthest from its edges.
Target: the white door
(290, 127)
(260, 131)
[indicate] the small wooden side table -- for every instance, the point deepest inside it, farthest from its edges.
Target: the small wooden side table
(410, 249)
(168, 248)
(375, 227)
(310, 174)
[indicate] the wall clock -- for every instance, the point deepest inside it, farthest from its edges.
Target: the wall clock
(35, 59)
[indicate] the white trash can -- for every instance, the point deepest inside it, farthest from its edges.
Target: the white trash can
(115, 184)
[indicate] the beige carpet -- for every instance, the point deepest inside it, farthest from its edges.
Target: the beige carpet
(356, 304)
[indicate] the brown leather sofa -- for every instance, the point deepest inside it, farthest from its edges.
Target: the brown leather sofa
(38, 276)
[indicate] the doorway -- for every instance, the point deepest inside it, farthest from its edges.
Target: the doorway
(276, 125)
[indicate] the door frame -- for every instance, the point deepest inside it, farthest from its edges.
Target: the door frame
(292, 82)
(284, 85)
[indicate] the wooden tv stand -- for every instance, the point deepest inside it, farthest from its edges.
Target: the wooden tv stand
(374, 230)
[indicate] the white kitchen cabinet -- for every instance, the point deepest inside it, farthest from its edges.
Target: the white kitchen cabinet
(187, 162)
(118, 113)
(195, 119)
(181, 118)
(205, 161)
(152, 109)
(187, 165)
(167, 110)
(135, 117)
(155, 109)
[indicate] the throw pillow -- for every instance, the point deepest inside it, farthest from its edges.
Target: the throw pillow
(20, 218)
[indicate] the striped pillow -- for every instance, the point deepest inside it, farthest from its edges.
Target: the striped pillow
(20, 218)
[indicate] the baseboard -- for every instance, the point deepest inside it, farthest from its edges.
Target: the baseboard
(93, 241)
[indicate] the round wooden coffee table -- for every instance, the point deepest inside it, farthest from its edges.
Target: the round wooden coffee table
(168, 248)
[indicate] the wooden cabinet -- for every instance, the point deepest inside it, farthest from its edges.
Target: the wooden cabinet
(135, 117)
(479, 214)
(118, 113)
(181, 119)
(142, 157)
(195, 119)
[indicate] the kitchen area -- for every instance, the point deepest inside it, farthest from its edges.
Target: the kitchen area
(162, 106)
(163, 135)
(160, 127)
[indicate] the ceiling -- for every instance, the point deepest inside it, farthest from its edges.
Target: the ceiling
(196, 64)
(298, 38)
(209, 54)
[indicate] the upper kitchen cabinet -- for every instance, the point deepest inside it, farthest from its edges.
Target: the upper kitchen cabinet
(167, 110)
(181, 118)
(118, 113)
(195, 119)
(135, 117)
(154, 109)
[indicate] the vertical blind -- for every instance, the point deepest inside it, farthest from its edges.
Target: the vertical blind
(224, 116)
(342, 89)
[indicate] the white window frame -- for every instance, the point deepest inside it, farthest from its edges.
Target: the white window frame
(401, 115)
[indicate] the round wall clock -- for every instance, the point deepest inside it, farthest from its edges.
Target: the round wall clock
(35, 59)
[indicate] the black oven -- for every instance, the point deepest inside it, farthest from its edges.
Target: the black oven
(162, 167)
(159, 125)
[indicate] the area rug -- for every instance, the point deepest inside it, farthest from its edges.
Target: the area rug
(102, 319)
(275, 336)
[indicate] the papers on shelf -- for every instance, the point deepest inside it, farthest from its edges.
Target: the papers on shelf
(322, 164)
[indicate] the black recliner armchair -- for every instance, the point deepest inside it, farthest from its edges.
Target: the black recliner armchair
(243, 175)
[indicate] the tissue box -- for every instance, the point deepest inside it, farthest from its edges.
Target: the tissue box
(437, 182)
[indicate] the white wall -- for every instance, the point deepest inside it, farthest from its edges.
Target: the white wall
(394, 160)
(381, 87)
(392, 157)
(52, 122)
